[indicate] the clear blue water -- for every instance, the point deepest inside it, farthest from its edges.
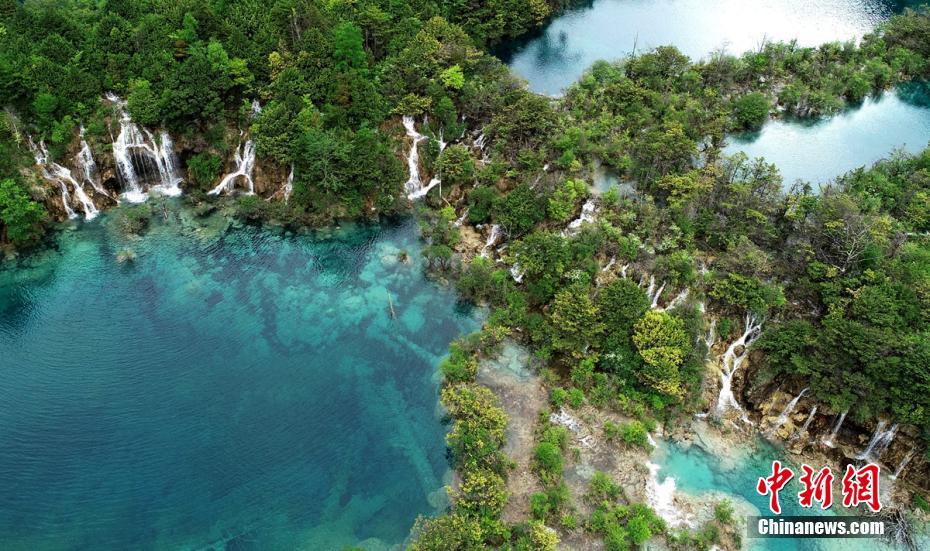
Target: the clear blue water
(817, 152)
(238, 390)
(555, 57)
(699, 473)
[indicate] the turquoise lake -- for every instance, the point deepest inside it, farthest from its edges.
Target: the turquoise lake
(234, 388)
(556, 56)
(699, 473)
(819, 151)
(815, 152)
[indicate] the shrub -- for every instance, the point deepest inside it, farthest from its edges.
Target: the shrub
(635, 433)
(575, 397)
(558, 396)
(548, 458)
(203, 169)
(723, 512)
(751, 110)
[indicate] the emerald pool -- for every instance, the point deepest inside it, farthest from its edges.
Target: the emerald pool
(230, 388)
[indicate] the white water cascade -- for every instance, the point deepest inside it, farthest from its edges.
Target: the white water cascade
(731, 361)
(414, 183)
(679, 299)
(85, 159)
(783, 417)
(710, 338)
(807, 423)
(879, 442)
(461, 219)
(245, 164)
(829, 441)
(586, 217)
(414, 186)
(661, 497)
(492, 239)
(903, 463)
(136, 148)
(289, 186)
(55, 173)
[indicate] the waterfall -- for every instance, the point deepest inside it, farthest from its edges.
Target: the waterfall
(289, 185)
(414, 183)
(652, 293)
(492, 239)
(661, 497)
(55, 173)
(836, 429)
(731, 362)
(786, 412)
(517, 272)
(711, 336)
(245, 163)
(903, 463)
(136, 148)
(166, 161)
(434, 181)
(461, 219)
(623, 270)
(807, 423)
(610, 264)
(586, 217)
(66, 199)
(880, 441)
(85, 159)
(679, 299)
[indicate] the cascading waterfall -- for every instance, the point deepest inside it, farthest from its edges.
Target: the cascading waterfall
(903, 463)
(55, 173)
(289, 186)
(413, 160)
(783, 417)
(136, 147)
(661, 497)
(679, 299)
(586, 217)
(710, 338)
(731, 362)
(414, 183)
(85, 159)
(806, 425)
(245, 163)
(66, 200)
(517, 272)
(492, 239)
(835, 430)
(880, 441)
(461, 219)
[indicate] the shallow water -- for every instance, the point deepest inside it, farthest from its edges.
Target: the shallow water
(245, 390)
(609, 29)
(820, 151)
(700, 473)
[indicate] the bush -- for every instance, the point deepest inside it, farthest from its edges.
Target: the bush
(548, 458)
(558, 396)
(751, 111)
(204, 168)
(723, 512)
(575, 398)
(635, 433)
(21, 218)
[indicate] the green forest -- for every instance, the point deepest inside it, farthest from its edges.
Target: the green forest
(840, 276)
